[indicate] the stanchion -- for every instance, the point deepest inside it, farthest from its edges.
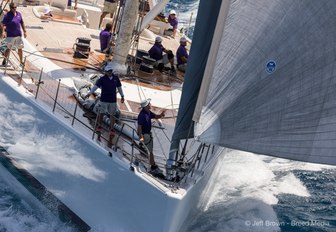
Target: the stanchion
(59, 83)
(23, 66)
(7, 59)
(74, 114)
(38, 84)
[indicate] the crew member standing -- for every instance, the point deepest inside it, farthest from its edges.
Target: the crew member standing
(144, 129)
(13, 22)
(109, 83)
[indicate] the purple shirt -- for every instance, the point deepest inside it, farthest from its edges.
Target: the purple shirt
(156, 51)
(173, 22)
(144, 120)
(104, 38)
(108, 88)
(181, 51)
(13, 24)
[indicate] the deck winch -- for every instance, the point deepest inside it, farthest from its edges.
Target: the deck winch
(82, 48)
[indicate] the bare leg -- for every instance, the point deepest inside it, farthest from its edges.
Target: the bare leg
(20, 54)
(151, 159)
(112, 133)
(174, 33)
(112, 120)
(6, 54)
(171, 61)
(99, 126)
(101, 18)
(100, 119)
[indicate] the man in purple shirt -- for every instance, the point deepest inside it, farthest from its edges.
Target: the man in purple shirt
(105, 38)
(109, 83)
(144, 129)
(182, 55)
(13, 22)
(156, 53)
(172, 20)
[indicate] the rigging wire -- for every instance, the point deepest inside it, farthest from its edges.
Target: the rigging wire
(93, 67)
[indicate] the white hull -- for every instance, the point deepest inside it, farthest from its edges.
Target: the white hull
(101, 190)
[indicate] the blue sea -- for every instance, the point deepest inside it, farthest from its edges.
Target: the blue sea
(20, 212)
(250, 192)
(247, 192)
(186, 11)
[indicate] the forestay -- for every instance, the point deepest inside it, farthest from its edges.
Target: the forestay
(272, 88)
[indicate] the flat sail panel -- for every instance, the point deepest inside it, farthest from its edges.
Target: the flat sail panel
(273, 85)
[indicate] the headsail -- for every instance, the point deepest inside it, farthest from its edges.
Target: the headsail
(273, 85)
(206, 23)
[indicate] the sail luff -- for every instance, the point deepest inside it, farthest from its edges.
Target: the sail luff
(205, 25)
(211, 59)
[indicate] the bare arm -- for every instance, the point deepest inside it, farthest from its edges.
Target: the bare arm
(184, 59)
(158, 116)
(2, 31)
(93, 89)
(140, 133)
(24, 29)
(121, 94)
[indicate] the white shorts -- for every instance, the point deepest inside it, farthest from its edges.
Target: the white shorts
(106, 107)
(148, 141)
(14, 42)
(182, 67)
(110, 7)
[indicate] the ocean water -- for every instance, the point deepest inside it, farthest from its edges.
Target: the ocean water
(20, 212)
(251, 192)
(186, 11)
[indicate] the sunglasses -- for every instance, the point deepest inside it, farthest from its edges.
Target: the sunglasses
(13, 7)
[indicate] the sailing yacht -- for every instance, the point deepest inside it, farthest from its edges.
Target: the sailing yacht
(260, 81)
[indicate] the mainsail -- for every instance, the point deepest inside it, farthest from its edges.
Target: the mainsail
(272, 88)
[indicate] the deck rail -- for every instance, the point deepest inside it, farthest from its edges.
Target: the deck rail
(56, 96)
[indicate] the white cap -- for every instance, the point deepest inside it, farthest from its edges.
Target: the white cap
(108, 68)
(158, 39)
(183, 39)
(46, 10)
(172, 12)
(145, 103)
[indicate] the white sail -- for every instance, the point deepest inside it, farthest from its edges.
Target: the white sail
(273, 83)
